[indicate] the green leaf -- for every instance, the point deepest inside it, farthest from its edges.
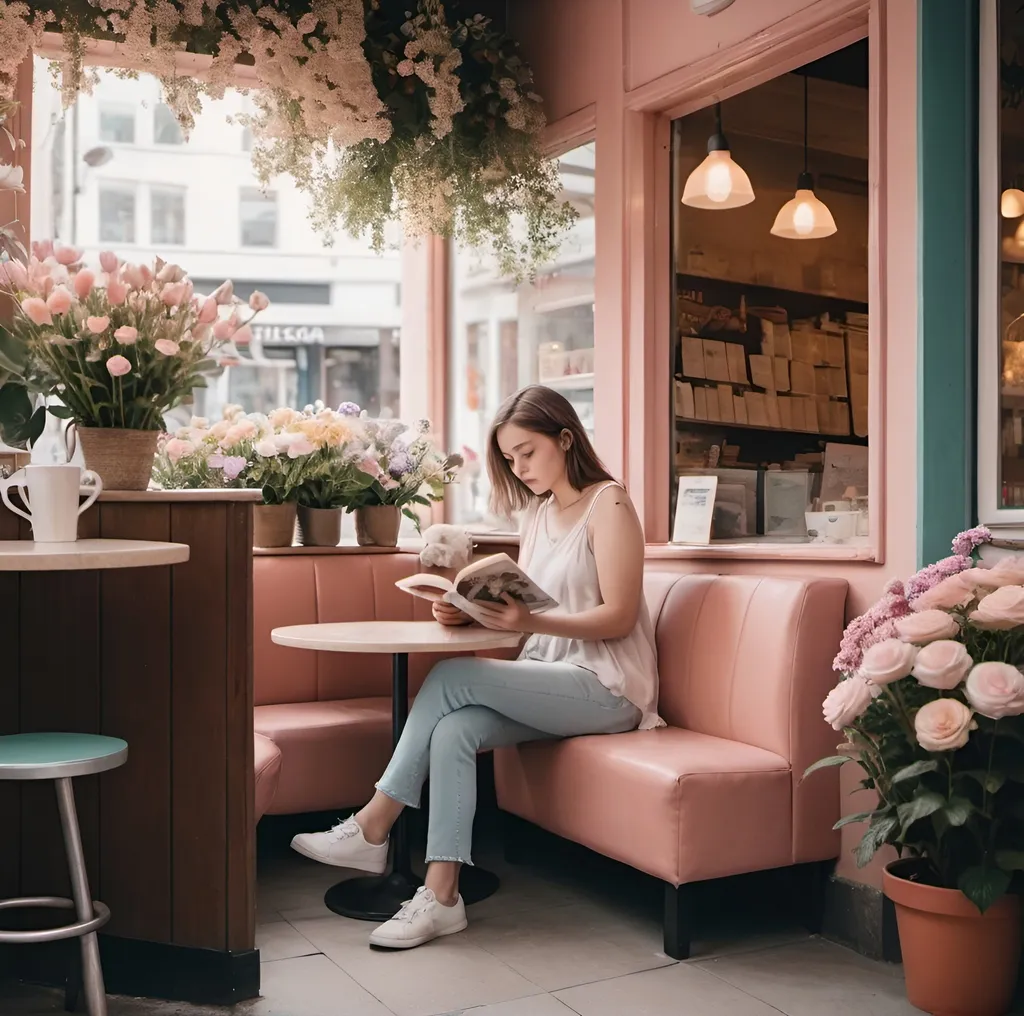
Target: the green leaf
(826, 763)
(992, 782)
(1010, 860)
(60, 412)
(20, 426)
(958, 811)
(921, 806)
(882, 827)
(983, 886)
(861, 816)
(916, 769)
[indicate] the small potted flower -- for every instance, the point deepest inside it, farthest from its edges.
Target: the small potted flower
(404, 468)
(932, 707)
(117, 349)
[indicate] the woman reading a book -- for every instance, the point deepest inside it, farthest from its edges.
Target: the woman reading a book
(588, 666)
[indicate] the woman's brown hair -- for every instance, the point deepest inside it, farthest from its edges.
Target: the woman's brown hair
(544, 411)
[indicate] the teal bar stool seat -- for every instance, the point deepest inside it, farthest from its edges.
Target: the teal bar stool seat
(62, 757)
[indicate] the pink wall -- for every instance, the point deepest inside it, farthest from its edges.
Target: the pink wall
(592, 52)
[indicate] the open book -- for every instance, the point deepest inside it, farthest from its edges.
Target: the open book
(482, 581)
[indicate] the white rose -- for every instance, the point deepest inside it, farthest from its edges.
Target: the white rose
(887, 661)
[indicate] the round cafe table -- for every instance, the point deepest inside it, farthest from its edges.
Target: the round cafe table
(380, 898)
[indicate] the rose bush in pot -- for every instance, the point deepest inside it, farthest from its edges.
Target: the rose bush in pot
(932, 707)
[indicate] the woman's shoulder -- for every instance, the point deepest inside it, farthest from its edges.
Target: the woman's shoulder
(612, 507)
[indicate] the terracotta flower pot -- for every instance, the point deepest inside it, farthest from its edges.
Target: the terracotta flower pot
(378, 525)
(319, 527)
(123, 458)
(957, 961)
(273, 525)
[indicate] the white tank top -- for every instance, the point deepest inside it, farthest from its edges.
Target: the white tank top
(565, 568)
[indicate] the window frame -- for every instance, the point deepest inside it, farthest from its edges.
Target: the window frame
(170, 188)
(124, 187)
(123, 108)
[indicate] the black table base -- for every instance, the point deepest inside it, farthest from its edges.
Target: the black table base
(378, 898)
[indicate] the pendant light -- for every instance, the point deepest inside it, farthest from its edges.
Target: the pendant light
(1011, 202)
(718, 182)
(804, 216)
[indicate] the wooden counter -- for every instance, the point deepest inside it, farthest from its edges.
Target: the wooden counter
(162, 657)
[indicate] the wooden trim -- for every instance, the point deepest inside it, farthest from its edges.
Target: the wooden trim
(757, 552)
(570, 131)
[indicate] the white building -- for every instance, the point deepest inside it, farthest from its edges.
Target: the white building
(114, 172)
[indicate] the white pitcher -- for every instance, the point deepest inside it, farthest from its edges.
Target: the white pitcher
(51, 492)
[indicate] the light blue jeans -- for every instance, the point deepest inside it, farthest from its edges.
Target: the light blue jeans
(470, 703)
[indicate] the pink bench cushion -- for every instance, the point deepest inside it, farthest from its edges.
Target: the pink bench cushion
(267, 764)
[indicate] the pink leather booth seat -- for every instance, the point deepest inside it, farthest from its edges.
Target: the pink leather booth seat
(744, 665)
(328, 713)
(267, 764)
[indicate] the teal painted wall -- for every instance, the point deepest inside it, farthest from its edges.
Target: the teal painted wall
(947, 102)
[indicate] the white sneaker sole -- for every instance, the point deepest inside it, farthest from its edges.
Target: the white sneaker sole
(390, 943)
(373, 869)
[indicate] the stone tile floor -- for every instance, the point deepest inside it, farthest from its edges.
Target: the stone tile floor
(556, 939)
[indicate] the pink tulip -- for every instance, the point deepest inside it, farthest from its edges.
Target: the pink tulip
(146, 273)
(67, 255)
(36, 310)
(224, 329)
(117, 291)
(243, 336)
(97, 325)
(17, 274)
(109, 262)
(132, 274)
(172, 294)
(42, 249)
(208, 311)
(224, 293)
(59, 301)
(83, 283)
(126, 335)
(258, 301)
(167, 347)
(118, 366)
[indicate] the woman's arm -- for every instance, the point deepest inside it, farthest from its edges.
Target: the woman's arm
(619, 551)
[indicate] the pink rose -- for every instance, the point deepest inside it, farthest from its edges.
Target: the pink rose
(926, 626)
(845, 702)
(83, 283)
(943, 725)
(887, 661)
(176, 448)
(36, 310)
(67, 255)
(952, 592)
(1001, 610)
(108, 261)
(126, 335)
(258, 301)
(59, 301)
(97, 325)
(266, 448)
(173, 293)
(118, 366)
(208, 311)
(996, 690)
(942, 665)
(1007, 571)
(299, 445)
(167, 347)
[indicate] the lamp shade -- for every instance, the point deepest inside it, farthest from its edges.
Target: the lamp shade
(718, 182)
(804, 216)
(1011, 203)
(1013, 246)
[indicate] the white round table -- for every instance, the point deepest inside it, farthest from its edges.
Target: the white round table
(378, 899)
(88, 555)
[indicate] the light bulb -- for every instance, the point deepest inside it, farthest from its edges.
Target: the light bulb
(803, 219)
(1011, 203)
(718, 185)
(804, 216)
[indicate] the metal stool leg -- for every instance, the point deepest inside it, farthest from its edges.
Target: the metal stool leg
(92, 972)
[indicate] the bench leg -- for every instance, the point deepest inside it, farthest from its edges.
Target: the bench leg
(92, 972)
(811, 883)
(678, 920)
(513, 839)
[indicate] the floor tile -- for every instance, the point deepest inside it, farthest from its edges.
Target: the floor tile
(558, 947)
(310, 986)
(444, 976)
(816, 977)
(280, 941)
(670, 991)
(536, 1005)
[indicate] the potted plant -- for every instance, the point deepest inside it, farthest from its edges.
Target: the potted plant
(404, 468)
(932, 706)
(117, 349)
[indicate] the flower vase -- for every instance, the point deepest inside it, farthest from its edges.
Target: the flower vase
(378, 525)
(319, 527)
(123, 458)
(273, 525)
(957, 961)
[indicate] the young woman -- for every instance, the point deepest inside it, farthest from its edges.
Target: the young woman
(588, 666)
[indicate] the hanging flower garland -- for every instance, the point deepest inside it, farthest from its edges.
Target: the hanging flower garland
(378, 112)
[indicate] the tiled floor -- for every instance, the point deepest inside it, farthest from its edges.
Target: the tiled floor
(554, 941)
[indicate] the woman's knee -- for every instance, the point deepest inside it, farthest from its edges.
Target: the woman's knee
(457, 732)
(453, 672)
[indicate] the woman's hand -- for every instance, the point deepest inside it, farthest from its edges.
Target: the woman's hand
(512, 615)
(449, 616)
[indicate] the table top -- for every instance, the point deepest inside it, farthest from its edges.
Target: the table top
(88, 555)
(392, 637)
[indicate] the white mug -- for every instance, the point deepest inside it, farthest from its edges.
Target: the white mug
(51, 494)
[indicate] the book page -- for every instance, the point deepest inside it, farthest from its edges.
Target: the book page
(427, 587)
(488, 580)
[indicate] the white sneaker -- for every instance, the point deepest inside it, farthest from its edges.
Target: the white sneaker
(421, 919)
(343, 846)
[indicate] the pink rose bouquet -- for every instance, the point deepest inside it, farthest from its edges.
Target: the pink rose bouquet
(118, 347)
(931, 701)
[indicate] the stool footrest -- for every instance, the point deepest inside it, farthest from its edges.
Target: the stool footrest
(77, 930)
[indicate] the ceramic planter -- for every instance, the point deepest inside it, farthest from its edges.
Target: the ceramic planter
(273, 525)
(319, 527)
(378, 525)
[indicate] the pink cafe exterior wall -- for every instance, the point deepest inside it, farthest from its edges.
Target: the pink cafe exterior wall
(588, 55)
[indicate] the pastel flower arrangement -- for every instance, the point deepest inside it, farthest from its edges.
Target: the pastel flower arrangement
(932, 705)
(117, 348)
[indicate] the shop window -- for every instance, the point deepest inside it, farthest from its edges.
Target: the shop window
(257, 212)
(770, 286)
(117, 124)
(167, 215)
(117, 213)
(504, 336)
